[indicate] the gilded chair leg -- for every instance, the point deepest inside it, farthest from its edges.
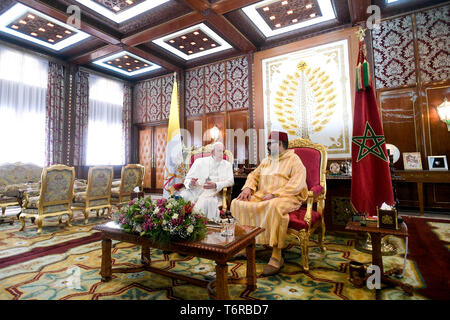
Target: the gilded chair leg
(60, 219)
(3, 211)
(322, 238)
(86, 216)
(22, 221)
(304, 245)
(69, 219)
(108, 215)
(39, 224)
(97, 212)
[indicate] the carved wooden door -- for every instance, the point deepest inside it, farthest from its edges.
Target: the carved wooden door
(146, 154)
(159, 151)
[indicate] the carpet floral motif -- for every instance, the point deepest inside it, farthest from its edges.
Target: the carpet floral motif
(73, 274)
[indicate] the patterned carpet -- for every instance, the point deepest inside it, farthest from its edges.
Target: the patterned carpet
(47, 267)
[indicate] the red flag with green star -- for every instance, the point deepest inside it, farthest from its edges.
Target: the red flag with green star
(371, 177)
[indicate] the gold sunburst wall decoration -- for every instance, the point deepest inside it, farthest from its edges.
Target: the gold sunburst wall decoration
(305, 86)
(307, 94)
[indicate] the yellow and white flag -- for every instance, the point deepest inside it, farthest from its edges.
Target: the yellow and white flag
(173, 169)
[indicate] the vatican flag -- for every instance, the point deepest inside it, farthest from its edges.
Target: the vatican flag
(173, 169)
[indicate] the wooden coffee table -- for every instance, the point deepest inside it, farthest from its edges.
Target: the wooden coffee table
(214, 246)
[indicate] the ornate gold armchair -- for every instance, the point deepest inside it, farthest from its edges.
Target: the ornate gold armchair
(55, 197)
(98, 193)
(202, 152)
(15, 178)
(305, 221)
(132, 176)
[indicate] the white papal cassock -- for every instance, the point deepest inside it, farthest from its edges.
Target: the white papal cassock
(208, 200)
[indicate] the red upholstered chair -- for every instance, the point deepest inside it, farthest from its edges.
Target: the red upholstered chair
(202, 152)
(305, 221)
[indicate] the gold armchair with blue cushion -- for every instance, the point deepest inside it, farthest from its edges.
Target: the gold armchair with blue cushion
(55, 197)
(98, 193)
(132, 176)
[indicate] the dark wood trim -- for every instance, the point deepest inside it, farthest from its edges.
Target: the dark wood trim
(152, 124)
(152, 58)
(198, 5)
(225, 6)
(413, 12)
(171, 26)
(230, 32)
(358, 10)
(96, 54)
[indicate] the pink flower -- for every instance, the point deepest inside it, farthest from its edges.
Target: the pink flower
(161, 202)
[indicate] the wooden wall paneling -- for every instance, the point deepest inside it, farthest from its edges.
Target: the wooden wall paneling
(146, 154)
(439, 195)
(437, 135)
(196, 136)
(159, 152)
(437, 140)
(407, 194)
(238, 120)
(399, 111)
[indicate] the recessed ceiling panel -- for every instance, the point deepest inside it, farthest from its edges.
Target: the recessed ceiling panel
(121, 10)
(31, 25)
(126, 63)
(274, 17)
(194, 42)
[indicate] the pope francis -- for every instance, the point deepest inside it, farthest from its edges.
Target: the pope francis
(205, 179)
(275, 188)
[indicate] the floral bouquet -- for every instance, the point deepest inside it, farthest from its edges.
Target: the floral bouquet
(171, 219)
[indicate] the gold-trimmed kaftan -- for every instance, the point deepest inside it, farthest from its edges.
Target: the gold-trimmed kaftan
(283, 176)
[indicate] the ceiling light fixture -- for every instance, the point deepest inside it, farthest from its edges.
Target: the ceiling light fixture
(220, 45)
(148, 66)
(19, 10)
(326, 8)
(122, 15)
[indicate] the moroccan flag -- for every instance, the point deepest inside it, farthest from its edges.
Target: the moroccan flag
(173, 169)
(371, 177)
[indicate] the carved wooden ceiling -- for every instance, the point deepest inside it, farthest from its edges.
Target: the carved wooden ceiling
(139, 39)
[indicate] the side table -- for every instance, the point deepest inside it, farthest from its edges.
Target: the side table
(377, 259)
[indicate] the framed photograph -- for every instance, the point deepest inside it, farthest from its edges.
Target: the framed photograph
(412, 161)
(437, 163)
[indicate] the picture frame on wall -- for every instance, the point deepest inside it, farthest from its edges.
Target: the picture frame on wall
(412, 161)
(438, 163)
